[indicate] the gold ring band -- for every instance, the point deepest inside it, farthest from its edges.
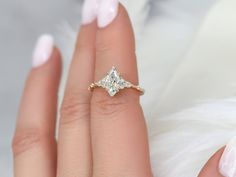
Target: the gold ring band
(113, 83)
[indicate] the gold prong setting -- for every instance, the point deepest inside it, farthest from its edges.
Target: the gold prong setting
(113, 83)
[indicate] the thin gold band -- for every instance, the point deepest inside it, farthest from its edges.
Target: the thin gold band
(135, 87)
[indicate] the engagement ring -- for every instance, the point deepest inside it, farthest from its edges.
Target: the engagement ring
(113, 83)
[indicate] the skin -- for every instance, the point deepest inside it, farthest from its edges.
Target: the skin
(99, 136)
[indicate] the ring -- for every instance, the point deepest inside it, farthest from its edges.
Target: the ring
(113, 83)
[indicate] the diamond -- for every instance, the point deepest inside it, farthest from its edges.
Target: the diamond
(113, 82)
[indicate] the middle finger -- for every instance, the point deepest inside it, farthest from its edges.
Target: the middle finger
(74, 150)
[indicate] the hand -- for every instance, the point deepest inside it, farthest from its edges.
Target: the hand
(99, 136)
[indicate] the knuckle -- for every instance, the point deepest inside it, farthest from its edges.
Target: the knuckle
(110, 107)
(107, 173)
(75, 107)
(123, 173)
(84, 48)
(26, 140)
(103, 47)
(104, 173)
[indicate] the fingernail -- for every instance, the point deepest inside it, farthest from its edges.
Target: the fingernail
(227, 165)
(43, 50)
(107, 12)
(89, 11)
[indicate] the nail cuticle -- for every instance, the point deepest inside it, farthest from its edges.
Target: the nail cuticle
(104, 11)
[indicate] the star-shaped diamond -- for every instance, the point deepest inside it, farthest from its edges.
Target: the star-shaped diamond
(113, 82)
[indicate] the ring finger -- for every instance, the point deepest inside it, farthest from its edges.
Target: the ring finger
(118, 130)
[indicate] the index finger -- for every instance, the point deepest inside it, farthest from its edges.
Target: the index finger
(118, 130)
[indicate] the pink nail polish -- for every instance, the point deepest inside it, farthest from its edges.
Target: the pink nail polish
(89, 11)
(43, 50)
(107, 12)
(227, 165)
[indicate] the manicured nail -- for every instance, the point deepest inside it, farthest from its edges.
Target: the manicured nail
(43, 50)
(89, 11)
(227, 165)
(107, 12)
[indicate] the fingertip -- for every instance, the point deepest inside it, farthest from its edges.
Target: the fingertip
(107, 12)
(222, 163)
(211, 168)
(43, 50)
(227, 163)
(120, 17)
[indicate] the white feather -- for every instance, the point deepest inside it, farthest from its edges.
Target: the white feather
(182, 142)
(165, 41)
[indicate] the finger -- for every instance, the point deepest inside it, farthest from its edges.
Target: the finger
(222, 163)
(34, 144)
(119, 135)
(211, 167)
(74, 147)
